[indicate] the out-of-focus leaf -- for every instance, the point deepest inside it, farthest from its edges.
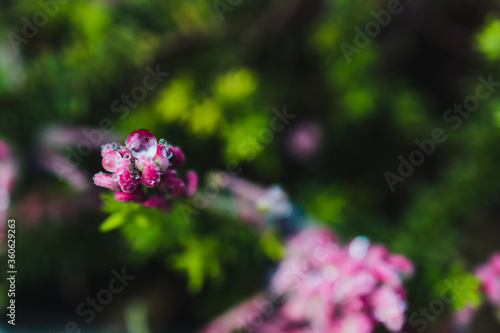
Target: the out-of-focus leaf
(488, 41)
(113, 221)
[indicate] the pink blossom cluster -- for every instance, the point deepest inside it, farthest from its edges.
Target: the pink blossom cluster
(323, 287)
(7, 178)
(144, 171)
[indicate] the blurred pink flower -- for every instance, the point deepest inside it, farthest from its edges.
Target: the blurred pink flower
(464, 315)
(489, 277)
(353, 323)
(321, 286)
(304, 140)
(388, 307)
(7, 177)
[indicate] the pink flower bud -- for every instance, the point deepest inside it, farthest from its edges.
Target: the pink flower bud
(388, 308)
(192, 183)
(136, 196)
(151, 174)
(109, 147)
(162, 157)
(128, 177)
(107, 181)
(158, 202)
(178, 158)
(401, 263)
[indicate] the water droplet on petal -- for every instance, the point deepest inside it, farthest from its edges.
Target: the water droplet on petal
(142, 142)
(111, 161)
(167, 152)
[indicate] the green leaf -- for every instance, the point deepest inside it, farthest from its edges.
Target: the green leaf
(110, 204)
(113, 221)
(463, 285)
(199, 260)
(487, 39)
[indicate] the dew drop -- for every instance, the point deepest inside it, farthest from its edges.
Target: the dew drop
(167, 152)
(111, 161)
(142, 142)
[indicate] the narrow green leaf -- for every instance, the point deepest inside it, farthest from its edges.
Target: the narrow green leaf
(113, 221)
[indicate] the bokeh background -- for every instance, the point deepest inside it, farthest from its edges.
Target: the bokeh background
(230, 65)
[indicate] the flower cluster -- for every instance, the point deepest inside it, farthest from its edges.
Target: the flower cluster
(340, 289)
(144, 171)
(7, 178)
(322, 287)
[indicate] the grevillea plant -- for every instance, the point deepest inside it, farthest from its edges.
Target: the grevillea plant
(319, 285)
(335, 287)
(144, 171)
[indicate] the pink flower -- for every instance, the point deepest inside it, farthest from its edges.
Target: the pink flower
(163, 153)
(128, 177)
(490, 282)
(110, 147)
(150, 171)
(7, 177)
(328, 287)
(340, 289)
(464, 315)
(106, 180)
(178, 157)
(158, 202)
(137, 195)
(353, 323)
(352, 287)
(388, 307)
(385, 272)
(145, 162)
(192, 182)
(401, 263)
(495, 262)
